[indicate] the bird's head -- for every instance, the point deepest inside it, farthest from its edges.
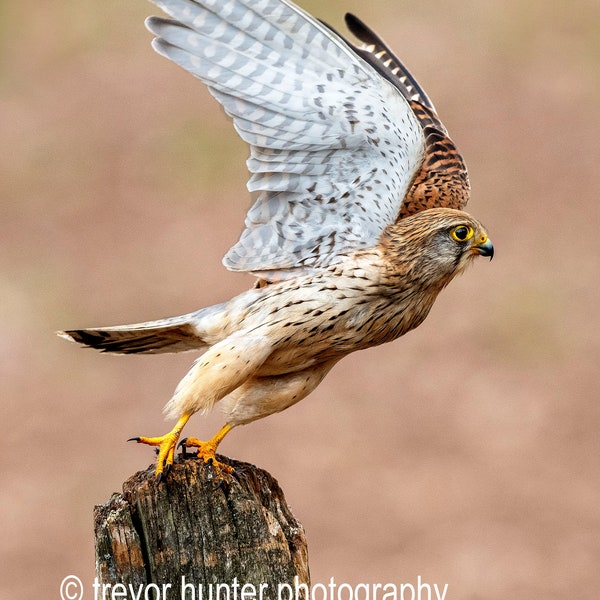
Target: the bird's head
(436, 244)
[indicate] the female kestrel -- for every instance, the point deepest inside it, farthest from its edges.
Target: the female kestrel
(356, 225)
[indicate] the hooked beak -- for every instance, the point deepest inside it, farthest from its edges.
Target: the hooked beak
(484, 247)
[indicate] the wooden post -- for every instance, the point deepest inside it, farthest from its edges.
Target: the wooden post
(186, 536)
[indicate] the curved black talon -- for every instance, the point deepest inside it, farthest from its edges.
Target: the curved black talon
(183, 447)
(167, 469)
(160, 478)
(134, 439)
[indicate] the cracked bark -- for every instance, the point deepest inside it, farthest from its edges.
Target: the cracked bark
(186, 527)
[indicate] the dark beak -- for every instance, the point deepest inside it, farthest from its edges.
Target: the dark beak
(485, 248)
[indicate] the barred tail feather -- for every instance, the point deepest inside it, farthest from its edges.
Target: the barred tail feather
(168, 335)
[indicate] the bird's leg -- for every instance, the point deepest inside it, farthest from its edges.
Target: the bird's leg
(206, 451)
(166, 446)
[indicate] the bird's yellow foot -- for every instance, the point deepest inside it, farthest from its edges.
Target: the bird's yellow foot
(166, 447)
(207, 450)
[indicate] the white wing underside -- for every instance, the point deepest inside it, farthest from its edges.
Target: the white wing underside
(333, 146)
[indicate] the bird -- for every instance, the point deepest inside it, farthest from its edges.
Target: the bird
(357, 222)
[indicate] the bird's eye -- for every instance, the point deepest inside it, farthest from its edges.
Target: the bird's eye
(462, 233)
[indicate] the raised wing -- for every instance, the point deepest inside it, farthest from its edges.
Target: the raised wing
(333, 145)
(378, 54)
(442, 180)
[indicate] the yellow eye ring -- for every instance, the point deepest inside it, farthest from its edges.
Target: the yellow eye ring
(462, 233)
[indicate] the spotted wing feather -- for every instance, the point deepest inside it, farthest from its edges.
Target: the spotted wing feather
(442, 180)
(333, 145)
(377, 53)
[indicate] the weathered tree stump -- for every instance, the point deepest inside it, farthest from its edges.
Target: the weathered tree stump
(185, 537)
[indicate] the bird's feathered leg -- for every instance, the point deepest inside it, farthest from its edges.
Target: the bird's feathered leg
(218, 372)
(256, 398)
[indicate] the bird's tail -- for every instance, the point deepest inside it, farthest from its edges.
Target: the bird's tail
(167, 335)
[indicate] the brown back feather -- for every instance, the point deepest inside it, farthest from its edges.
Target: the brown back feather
(442, 180)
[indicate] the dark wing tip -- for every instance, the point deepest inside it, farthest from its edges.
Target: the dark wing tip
(359, 29)
(379, 55)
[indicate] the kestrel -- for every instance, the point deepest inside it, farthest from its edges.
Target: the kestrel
(356, 226)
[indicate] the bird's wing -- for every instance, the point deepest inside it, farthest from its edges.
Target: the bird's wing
(442, 180)
(378, 54)
(334, 146)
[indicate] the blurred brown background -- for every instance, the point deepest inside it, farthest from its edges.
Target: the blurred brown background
(467, 453)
